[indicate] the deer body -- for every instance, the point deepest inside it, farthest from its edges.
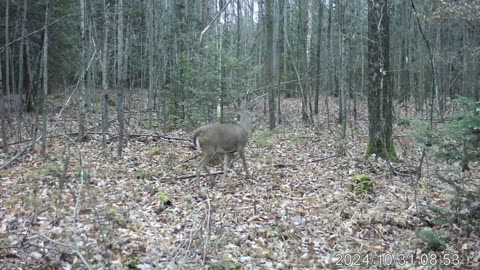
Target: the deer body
(224, 139)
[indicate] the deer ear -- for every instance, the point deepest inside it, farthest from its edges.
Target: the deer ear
(251, 106)
(239, 114)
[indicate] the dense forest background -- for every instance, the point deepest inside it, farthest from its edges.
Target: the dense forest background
(96, 92)
(185, 59)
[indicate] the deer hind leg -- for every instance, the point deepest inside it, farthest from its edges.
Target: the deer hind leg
(203, 164)
(225, 165)
(241, 153)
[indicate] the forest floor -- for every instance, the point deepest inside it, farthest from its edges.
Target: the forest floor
(145, 211)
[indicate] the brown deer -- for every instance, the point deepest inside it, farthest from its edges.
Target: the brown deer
(223, 139)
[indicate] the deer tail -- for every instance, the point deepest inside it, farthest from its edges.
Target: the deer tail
(195, 141)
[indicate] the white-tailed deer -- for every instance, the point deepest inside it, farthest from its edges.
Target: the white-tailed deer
(223, 139)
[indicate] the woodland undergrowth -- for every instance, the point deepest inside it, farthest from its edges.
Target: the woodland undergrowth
(146, 211)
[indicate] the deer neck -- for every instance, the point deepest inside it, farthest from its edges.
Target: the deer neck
(245, 124)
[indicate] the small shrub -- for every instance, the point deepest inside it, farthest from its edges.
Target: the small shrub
(404, 121)
(158, 150)
(114, 216)
(456, 145)
(145, 174)
(51, 170)
(164, 198)
(431, 239)
(225, 264)
(86, 173)
(132, 263)
(264, 138)
(362, 184)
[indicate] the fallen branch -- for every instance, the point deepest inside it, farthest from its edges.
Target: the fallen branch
(19, 154)
(281, 165)
(189, 176)
(321, 159)
(71, 247)
(285, 165)
(190, 158)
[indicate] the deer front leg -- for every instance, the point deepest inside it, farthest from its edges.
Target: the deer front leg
(241, 153)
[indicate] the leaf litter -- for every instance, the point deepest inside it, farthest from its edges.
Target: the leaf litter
(295, 213)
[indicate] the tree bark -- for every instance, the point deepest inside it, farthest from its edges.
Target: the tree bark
(269, 69)
(21, 72)
(275, 58)
(318, 57)
(3, 116)
(105, 75)
(380, 85)
(120, 78)
(82, 103)
(150, 49)
(340, 67)
(221, 46)
(45, 81)
(7, 60)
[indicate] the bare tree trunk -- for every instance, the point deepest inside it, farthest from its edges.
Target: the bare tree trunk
(269, 69)
(30, 92)
(303, 33)
(342, 100)
(275, 58)
(308, 56)
(21, 72)
(82, 105)
(7, 59)
(3, 115)
(150, 62)
(45, 81)
(120, 78)
(476, 72)
(105, 76)
(239, 33)
(91, 72)
(318, 57)
(331, 83)
(221, 47)
(285, 50)
(404, 81)
(380, 115)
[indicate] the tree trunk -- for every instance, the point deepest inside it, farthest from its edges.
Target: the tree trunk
(269, 69)
(105, 75)
(303, 35)
(340, 67)
(21, 72)
(285, 45)
(318, 57)
(150, 61)
(404, 61)
(30, 95)
(380, 85)
(308, 55)
(7, 60)
(120, 78)
(331, 59)
(221, 47)
(82, 103)
(45, 81)
(239, 33)
(3, 115)
(275, 58)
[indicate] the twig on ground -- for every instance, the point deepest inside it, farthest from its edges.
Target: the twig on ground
(188, 176)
